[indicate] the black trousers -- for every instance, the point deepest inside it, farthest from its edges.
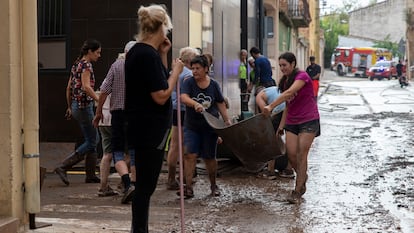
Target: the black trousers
(148, 162)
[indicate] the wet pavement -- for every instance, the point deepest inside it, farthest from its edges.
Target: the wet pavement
(361, 178)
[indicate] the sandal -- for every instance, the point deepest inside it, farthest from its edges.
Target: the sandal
(215, 191)
(173, 185)
(188, 193)
(108, 191)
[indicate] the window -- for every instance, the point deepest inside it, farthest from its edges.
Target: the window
(52, 30)
(51, 23)
(201, 25)
(346, 53)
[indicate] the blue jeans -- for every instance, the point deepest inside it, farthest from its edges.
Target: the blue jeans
(84, 117)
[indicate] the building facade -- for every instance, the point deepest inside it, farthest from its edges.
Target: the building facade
(42, 38)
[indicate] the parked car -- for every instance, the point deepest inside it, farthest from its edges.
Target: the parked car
(381, 70)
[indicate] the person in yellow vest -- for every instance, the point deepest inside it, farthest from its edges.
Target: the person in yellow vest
(243, 75)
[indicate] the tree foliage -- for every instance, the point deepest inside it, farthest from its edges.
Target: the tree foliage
(333, 25)
(388, 44)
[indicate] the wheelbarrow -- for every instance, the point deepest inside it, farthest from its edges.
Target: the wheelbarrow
(253, 140)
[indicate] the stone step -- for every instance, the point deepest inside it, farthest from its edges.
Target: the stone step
(9, 225)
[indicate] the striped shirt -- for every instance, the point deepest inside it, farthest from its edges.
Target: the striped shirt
(114, 83)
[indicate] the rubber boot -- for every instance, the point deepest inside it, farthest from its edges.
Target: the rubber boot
(90, 167)
(66, 164)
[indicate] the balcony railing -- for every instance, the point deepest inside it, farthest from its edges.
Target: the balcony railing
(298, 12)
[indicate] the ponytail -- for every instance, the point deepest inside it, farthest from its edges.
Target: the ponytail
(89, 44)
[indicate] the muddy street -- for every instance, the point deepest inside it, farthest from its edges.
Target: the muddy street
(361, 179)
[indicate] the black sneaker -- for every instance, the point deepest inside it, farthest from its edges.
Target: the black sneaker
(128, 194)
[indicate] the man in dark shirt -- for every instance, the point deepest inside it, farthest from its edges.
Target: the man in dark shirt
(399, 68)
(314, 72)
(263, 69)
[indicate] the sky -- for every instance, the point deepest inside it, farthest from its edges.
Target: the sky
(334, 4)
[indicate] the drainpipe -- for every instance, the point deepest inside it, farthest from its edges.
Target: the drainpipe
(277, 34)
(30, 109)
(261, 27)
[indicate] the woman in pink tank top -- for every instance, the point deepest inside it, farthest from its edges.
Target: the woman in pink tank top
(300, 119)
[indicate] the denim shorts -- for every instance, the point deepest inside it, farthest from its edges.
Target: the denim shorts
(312, 126)
(118, 156)
(106, 134)
(202, 142)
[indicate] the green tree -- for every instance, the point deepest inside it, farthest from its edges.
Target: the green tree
(333, 26)
(388, 44)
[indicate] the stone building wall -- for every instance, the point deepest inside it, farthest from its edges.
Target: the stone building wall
(379, 20)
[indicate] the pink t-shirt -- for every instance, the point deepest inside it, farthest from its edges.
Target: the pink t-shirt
(302, 108)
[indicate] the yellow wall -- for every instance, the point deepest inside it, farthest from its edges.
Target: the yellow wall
(196, 21)
(11, 180)
(314, 36)
(18, 135)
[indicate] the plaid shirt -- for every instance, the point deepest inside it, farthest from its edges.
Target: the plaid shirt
(78, 94)
(114, 83)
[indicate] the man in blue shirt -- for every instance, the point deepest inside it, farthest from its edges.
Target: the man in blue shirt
(263, 69)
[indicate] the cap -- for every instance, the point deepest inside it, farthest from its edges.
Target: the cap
(129, 45)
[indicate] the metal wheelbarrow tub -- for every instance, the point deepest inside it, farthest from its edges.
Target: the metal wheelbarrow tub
(253, 140)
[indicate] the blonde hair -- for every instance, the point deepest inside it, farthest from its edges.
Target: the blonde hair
(187, 54)
(151, 18)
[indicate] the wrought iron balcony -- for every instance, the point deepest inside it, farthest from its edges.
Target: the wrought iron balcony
(295, 13)
(298, 12)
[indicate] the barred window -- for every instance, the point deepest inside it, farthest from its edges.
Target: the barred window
(52, 30)
(51, 23)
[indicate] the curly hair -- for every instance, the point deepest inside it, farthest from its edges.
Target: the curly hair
(201, 60)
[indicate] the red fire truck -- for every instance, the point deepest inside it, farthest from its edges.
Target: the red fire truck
(356, 61)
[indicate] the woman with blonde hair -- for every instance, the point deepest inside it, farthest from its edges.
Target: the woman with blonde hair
(148, 105)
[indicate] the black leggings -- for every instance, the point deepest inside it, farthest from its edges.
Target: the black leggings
(148, 163)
